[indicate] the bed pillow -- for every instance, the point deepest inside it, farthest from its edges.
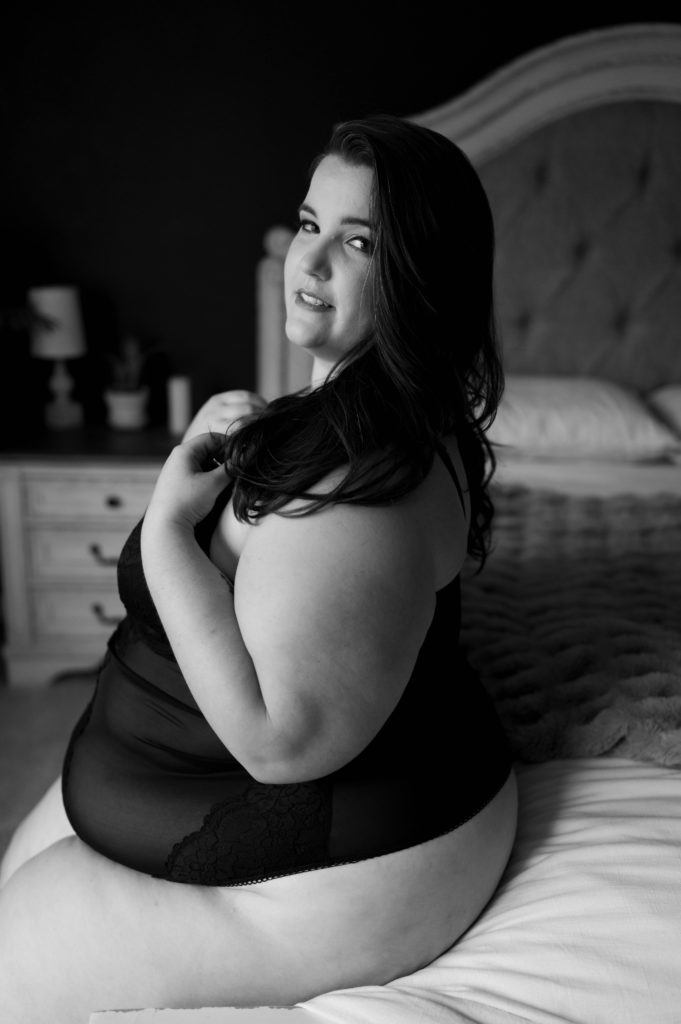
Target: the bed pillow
(578, 418)
(666, 402)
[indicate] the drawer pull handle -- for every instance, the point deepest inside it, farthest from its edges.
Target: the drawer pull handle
(102, 559)
(102, 617)
(113, 501)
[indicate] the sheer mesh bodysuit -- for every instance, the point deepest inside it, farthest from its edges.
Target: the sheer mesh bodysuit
(147, 782)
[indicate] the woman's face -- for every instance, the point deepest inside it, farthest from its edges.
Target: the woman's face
(326, 273)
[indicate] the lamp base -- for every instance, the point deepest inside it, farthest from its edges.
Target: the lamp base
(63, 414)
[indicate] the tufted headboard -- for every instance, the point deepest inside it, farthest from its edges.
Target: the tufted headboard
(578, 145)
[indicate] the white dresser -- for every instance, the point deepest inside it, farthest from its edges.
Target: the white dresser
(64, 516)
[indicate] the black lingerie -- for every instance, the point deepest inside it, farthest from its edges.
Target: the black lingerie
(147, 782)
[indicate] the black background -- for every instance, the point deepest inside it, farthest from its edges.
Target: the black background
(147, 147)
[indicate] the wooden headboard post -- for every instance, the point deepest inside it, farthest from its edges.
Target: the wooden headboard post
(280, 367)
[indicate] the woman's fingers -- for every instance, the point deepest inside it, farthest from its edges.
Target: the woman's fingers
(223, 411)
(202, 447)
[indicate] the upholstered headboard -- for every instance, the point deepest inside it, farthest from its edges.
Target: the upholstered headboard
(578, 145)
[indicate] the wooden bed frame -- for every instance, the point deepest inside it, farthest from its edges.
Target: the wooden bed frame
(525, 124)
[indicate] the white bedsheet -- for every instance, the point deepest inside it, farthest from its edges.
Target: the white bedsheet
(586, 925)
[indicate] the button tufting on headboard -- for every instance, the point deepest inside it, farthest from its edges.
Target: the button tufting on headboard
(522, 320)
(621, 320)
(580, 250)
(588, 275)
(540, 175)
(643, 173)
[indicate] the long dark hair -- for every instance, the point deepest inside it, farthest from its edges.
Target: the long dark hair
(430, 366)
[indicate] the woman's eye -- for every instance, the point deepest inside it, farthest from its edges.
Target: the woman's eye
(361, 243)
(308, 226)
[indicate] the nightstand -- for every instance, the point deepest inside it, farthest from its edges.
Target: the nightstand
(67, 504)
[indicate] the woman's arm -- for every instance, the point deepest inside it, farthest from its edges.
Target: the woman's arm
(299, 668)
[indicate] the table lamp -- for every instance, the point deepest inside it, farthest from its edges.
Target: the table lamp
(57, 334)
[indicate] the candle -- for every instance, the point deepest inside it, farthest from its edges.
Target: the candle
(179, 404)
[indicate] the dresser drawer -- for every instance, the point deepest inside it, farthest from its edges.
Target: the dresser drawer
(63, 523)
(71, 498)
(62, 553)
(90, 611)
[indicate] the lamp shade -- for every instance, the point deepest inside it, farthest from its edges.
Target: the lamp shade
(56, 323)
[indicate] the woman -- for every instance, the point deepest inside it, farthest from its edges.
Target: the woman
(284, 722)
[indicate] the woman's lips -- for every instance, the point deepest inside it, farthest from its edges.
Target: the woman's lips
(311, 302)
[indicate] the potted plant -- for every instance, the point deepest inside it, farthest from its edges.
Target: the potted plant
(126, 398)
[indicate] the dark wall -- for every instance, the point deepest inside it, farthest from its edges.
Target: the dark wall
(147, 147)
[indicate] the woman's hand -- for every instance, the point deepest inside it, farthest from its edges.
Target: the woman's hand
(222, 411)
(188, 484)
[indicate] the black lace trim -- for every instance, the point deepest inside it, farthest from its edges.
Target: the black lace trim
(263, 830)
(199, 873)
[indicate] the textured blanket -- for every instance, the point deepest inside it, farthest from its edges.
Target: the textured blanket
(575, 624)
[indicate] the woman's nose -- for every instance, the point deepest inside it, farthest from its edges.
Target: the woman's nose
(315, 261)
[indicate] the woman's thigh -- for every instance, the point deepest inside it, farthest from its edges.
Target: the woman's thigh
(80, 933)
(44, 825)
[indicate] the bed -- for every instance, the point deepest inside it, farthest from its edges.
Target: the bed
(575, 622)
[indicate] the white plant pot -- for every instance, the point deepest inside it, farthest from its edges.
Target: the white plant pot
(127, 410)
